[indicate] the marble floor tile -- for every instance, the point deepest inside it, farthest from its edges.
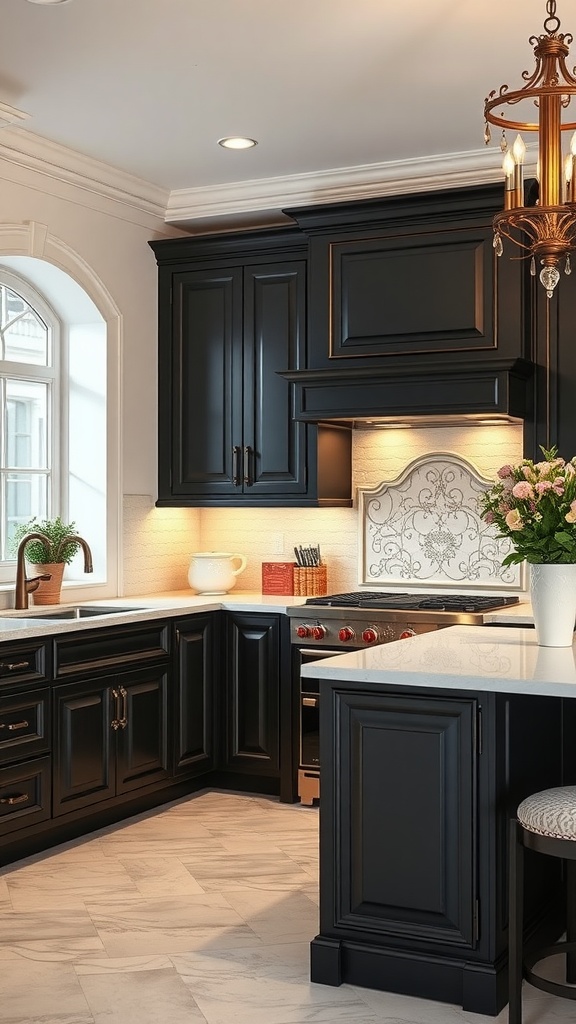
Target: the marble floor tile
(169, 925)
(64, 924)
(276, 917)
(160, 876)
(141, 997)
(55, 950)
(222, 872)
(54, 997)
(62, 883)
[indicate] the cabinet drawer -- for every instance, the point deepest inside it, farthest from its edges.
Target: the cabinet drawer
(106, 649)
(24, 794)
(23, 663)
(24, 725)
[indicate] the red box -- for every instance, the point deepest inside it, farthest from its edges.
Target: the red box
(278, 578)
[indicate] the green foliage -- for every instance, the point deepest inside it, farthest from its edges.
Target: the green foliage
(534, 505)
(41, 552)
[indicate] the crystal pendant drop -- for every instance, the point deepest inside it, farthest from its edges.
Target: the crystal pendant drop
(533, 267)
(497, 244)
(503, 143)
(487, 133)
(568, 266)
(549, 277)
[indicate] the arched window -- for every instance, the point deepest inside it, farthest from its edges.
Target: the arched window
(30, 403)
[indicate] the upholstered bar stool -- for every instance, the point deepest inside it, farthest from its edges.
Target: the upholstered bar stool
(545, 822)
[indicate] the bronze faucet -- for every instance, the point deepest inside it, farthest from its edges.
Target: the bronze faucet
(25, 586)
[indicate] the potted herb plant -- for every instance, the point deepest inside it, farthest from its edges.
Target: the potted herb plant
(49, 555)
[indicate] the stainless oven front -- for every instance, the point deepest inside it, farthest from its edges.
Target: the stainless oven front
(309, 721)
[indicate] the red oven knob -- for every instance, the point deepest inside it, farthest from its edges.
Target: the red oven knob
(346, 634)
(406, 633)
(370, 635)
(303, 632)
(318, 632)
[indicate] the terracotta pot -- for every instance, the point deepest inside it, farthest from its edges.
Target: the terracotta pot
(48, 591)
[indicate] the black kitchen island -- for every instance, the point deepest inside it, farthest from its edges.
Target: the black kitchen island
(427, 747)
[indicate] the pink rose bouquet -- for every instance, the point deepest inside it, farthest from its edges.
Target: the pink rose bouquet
(534, 505)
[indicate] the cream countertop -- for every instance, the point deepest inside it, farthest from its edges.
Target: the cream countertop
(496, 659)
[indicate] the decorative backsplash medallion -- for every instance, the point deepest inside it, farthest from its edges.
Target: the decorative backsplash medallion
(425, 529)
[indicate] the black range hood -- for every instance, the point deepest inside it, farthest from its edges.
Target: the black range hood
(476, 389)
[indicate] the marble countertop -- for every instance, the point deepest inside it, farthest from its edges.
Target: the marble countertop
(498, 659)
(16, 625)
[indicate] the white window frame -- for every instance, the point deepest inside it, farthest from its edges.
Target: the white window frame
(57, 451)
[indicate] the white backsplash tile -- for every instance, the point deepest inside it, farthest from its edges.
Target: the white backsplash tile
(158, 542)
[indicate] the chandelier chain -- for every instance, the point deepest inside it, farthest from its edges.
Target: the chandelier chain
(552, 23)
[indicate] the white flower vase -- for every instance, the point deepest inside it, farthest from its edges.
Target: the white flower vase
(553, 594)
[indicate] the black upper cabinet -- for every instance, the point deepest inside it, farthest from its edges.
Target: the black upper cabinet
(229, 322)
(554, 341)
(410, 310)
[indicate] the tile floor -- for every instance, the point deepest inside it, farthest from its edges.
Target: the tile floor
(198, 913)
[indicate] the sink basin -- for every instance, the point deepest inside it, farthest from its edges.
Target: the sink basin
(83, 612)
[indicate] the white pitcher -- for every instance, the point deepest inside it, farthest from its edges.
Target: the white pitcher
(213, 572)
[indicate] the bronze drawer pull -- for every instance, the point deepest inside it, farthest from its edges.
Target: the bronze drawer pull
(14, 726)
(236, 480)
(13, 666)
(22, 798)
(115, 723)
(123, 718)
(310, 702)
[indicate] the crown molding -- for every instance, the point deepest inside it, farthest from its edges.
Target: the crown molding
(255, 199)
(33, 152)
(345, 184)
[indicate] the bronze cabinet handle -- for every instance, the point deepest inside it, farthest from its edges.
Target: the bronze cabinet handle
(247, 451)
(21, 798)
(236, 480)
(13, 666)
(115, 721)
(124, 716)
(310, 702)
(14, 726)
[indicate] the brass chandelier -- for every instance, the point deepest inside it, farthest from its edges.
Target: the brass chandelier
(547, 230)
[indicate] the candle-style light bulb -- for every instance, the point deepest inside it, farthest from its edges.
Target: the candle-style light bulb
(518, 152)
(508, 167)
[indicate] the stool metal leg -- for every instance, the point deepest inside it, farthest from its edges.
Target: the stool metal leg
(571, 919)
(515, 924)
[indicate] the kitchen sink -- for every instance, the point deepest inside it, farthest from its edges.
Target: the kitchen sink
(83, 612)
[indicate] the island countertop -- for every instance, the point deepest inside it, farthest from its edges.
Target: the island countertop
(495, 659)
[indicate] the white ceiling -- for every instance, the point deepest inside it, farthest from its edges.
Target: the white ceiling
(149, 86)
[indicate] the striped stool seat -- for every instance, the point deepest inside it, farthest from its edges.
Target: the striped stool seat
(545, 822)
(550, 813)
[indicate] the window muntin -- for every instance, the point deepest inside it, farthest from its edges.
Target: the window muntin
(29, 395)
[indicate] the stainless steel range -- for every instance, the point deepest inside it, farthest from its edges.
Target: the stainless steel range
(331, 625)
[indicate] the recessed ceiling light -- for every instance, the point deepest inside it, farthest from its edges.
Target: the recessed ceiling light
(237, 142)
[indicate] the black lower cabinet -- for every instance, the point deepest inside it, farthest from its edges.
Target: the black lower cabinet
(111, 737)
(251, 699)
(417, 789)
(194, 696)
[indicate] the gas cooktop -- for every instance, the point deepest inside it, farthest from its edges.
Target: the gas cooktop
(413, 602)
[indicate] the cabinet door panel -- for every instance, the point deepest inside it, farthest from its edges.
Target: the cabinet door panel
(407, 778)
(194, 697)
(206, 375)
(143, 736)
(252, 694)
(83, 746)
(274, 339)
